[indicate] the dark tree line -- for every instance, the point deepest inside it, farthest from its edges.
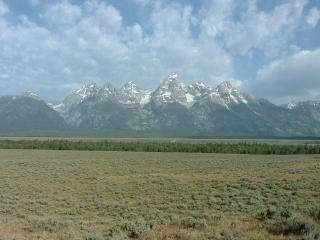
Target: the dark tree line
(145, 146)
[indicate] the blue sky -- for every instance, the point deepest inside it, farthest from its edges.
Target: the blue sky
(268, 48)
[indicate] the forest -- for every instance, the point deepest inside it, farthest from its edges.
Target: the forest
(239, 147)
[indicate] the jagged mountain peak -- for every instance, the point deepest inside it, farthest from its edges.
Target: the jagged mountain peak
(87, 90)
(225, 86)
(173, 80)
(131, 94)
(200, 84)
(107, 90)
(315, 104)
(225, 94)
(221, 110)
(290, 105)
(198, 90)
(78, 96)
(130, 87)
(31, 94)
(130, 84)
(88, 86)
(310, 104)
(171, 90)
(173, 77)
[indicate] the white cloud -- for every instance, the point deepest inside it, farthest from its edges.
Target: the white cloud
(106, 16)
(91, 42)
(216, 17)
(173, 48)
(294, 77)
(255, 29)
(62, 13)
(313, 17)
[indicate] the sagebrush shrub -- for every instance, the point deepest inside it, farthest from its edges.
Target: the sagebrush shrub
(115, 233)
(293, 225)
(311, 236)
(135, 228)
(191, 222)
(233, 232)
(265, 213)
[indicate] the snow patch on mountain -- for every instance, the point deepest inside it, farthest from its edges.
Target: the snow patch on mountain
(290, 105)
(131, 94)
(145, 98)
(303, 104)
(59, 106)
(198, 90)
(171, 90)
(190, 98)
(225, 94)
(31, 95)
(86, 91)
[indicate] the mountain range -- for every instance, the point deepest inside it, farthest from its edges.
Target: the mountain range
(171, 110)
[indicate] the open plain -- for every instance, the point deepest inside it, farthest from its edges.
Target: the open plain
(94, 195)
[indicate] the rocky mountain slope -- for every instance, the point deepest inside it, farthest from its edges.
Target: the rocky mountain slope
(173, 109)
(28, 115)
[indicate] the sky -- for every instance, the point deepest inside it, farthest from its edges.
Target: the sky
(268, 48)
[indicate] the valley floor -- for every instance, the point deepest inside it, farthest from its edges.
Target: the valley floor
(68, 195)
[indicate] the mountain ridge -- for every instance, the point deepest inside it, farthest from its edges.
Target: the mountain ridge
(171, 89)
(171, 110)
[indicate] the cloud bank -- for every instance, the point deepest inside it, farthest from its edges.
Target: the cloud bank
(69, 45)
(294, 77)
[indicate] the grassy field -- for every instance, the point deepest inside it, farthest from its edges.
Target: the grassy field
(64, 195)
